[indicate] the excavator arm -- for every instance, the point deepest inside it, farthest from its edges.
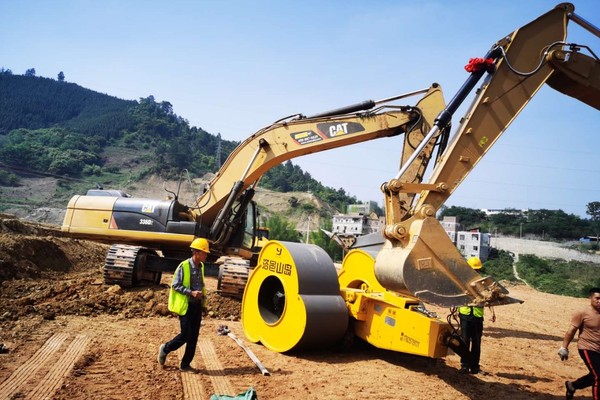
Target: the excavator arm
(417, 257)
(285, 140)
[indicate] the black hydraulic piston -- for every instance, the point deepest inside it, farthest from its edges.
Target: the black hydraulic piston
(365, 105)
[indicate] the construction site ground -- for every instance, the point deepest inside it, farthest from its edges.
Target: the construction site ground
(66, 335)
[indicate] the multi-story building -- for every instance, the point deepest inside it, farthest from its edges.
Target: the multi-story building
(473, 244)
(360, 220)
(470, 243)
(451, 226)
(356, 224)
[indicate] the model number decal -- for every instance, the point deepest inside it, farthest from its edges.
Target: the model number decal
(144, 221)
(411, 341)
(276, 266)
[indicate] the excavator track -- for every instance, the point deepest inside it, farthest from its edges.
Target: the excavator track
(233, 277)
(119, 266)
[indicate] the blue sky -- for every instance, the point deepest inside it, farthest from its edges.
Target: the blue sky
(233, 67)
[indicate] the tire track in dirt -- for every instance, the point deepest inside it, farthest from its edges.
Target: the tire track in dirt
(59, 371)
(192, 383)
(214, 368)
(23, 377)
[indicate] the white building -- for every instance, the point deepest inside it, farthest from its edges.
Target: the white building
(359, 220)
(356, 224)
(473, 244)
(508, 211)
(451, 226)
(469, 243)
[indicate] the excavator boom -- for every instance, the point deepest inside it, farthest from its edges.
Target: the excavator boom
(519, 64)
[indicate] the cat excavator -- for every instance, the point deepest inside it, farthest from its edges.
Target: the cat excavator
(151, 236)
(294, 297)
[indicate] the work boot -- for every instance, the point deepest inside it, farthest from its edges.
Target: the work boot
(570, 390)
(188, 368)
(464, 370)
(162, 356)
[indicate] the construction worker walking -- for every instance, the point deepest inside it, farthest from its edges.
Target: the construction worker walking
(587, 323)
(471, 328)
(187, 298)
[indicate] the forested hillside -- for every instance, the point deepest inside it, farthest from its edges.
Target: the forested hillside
(34, 102)
(61, 128)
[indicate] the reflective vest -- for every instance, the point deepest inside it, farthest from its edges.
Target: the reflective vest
(178, 302)
(466, 310)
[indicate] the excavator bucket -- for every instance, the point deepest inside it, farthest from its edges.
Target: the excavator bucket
(430, 267)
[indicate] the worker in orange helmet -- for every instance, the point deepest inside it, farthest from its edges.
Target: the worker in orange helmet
(471, 328)
(187, 299)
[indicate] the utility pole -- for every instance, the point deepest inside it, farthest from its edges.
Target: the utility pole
(521, 230)
(308, 228)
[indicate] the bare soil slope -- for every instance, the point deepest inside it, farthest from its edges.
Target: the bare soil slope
(51, 291)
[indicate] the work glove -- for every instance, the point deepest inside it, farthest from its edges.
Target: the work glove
(563, 353)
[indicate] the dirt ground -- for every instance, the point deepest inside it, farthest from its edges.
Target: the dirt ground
(68, 336)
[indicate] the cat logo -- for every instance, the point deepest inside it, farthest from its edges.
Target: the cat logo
(148, 208)
(338, 129)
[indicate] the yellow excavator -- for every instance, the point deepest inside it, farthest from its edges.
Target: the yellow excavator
(295, 298)
(151, 236)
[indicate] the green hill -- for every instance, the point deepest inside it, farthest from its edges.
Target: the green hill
(61, 129)
(33, 102)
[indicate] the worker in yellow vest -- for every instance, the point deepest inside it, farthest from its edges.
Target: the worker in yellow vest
(187, 298)
(471, 328)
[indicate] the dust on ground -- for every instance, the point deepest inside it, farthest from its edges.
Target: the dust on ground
(50, 283)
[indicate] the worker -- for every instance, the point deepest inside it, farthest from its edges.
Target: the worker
(587, 322)
(471, 328)
(187, 298)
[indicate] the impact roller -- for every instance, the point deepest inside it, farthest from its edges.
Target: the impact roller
(292, 299)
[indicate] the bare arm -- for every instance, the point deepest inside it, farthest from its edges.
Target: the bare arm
(569, 335)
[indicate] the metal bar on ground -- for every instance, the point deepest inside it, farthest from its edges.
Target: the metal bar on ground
(252, 356)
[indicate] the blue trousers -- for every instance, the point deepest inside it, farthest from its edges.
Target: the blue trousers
(190, 330)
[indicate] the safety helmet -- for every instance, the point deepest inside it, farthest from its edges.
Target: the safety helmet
(200, 244)
(474, 262)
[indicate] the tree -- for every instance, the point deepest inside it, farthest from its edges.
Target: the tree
(61, 76)
(593, 210)
(281, 229)
(321, 239)
(467, 217)
(30, 72)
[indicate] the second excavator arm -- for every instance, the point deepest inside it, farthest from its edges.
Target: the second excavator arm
(518, 65)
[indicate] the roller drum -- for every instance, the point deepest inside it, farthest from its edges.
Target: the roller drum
(292, 299)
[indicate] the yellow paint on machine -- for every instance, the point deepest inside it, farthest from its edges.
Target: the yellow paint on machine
(292, 299)
(388, 320)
